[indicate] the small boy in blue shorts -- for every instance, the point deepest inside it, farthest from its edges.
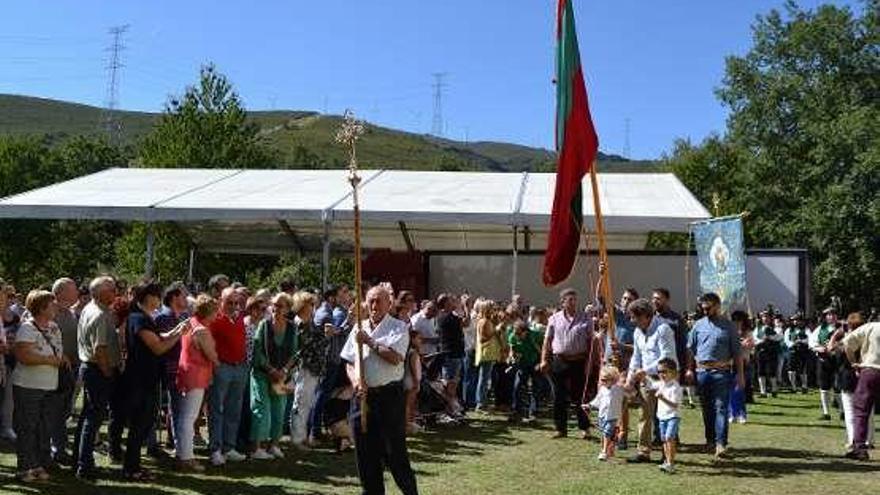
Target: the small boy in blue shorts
(609, 403)
(669, 397)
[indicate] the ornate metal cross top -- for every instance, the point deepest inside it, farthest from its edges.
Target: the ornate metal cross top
(349, 132)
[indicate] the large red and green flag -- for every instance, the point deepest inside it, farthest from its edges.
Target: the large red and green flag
(576, 147)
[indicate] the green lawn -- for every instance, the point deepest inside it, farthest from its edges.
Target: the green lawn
(783, 449)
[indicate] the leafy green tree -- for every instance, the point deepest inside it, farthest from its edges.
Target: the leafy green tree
(34, 252)
(305, 271)
(802, 148)
(207, 127)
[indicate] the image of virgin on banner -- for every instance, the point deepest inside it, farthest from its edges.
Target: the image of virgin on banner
(722, 260)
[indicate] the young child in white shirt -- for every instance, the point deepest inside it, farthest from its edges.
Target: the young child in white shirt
(669, 397)
(609, 403)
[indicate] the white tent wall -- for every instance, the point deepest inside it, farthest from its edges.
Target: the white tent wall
(773, 277)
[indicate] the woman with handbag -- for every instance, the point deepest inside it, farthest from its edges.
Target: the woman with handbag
(275, 349)
(39, 356)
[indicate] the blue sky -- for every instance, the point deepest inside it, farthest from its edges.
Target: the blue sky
(655, 63)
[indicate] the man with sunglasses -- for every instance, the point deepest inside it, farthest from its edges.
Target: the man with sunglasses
(715, 360)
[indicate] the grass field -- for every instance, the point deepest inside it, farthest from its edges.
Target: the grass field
(783, 449)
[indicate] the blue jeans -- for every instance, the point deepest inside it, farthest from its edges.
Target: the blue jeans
(97, 390)
(453, 368)
(714, 389)
(325, 390)
(607, 427)
(523, 395)
(484, 371)
(225, 397)
(471, 379)
(738, 399)
(669, 429)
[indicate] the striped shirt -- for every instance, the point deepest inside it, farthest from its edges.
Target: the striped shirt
(569, 335)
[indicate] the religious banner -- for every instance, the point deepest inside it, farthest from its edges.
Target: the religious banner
(722, 260)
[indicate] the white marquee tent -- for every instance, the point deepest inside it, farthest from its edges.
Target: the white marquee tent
(272, 211)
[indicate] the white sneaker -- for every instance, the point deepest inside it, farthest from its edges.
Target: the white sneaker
(8, 434)
(235, 456)
(261, 455)
(217, 458)
(276, 452)
(602, 456)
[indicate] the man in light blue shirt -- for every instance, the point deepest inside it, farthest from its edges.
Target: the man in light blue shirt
(716, 358)
(653, 340)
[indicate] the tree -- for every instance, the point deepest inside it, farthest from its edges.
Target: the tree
(206, 128)
(802, 148)
(34, 252)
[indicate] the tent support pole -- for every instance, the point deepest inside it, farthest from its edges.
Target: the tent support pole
(192, 264)
(325, 257)
(515, 267)
(151, 241)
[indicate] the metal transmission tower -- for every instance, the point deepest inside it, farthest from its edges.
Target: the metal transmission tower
(112, 125)
(439, 86)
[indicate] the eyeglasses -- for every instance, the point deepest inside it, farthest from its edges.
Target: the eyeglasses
(663, 372)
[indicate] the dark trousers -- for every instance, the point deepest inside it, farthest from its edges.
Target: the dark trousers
(471, 378)
(140, 413)
(525, 401)
(503, 383)
(31, 415)
(384, 442)
(243, 442)
(97, 391)
(62, 408)
(118, 419)
(867, 394)
(568, 382)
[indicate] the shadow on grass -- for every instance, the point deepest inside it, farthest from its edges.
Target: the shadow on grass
(772, 463)
(799, 425)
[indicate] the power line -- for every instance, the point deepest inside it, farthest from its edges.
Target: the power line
(439, 86)
(113, 125)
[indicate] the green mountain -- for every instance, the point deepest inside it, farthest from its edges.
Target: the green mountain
(304, 139)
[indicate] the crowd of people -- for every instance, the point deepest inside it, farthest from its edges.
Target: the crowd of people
(250, 366)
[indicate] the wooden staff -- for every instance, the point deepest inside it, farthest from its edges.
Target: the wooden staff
(348, 135)
(603, 258)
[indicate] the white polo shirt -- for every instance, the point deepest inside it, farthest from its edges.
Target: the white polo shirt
(391, 333)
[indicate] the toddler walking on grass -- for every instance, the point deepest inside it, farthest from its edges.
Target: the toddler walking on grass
(609, 403)
(669, 397)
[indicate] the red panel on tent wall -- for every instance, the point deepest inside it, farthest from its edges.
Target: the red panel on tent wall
(405, 270)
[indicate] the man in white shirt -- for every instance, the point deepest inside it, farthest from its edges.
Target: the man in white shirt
(384, 443)
(424, 322)
(653, 340)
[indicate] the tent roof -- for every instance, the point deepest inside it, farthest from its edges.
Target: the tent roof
(438, 210)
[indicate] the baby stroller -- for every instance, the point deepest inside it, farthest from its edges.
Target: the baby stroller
(432, 402)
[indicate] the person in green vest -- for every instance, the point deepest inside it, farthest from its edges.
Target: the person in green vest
(525, 348)
(768, 340)
(797, 341)
(825, 365)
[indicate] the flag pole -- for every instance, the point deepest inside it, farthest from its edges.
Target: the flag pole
(348, 134)
(603, 258)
